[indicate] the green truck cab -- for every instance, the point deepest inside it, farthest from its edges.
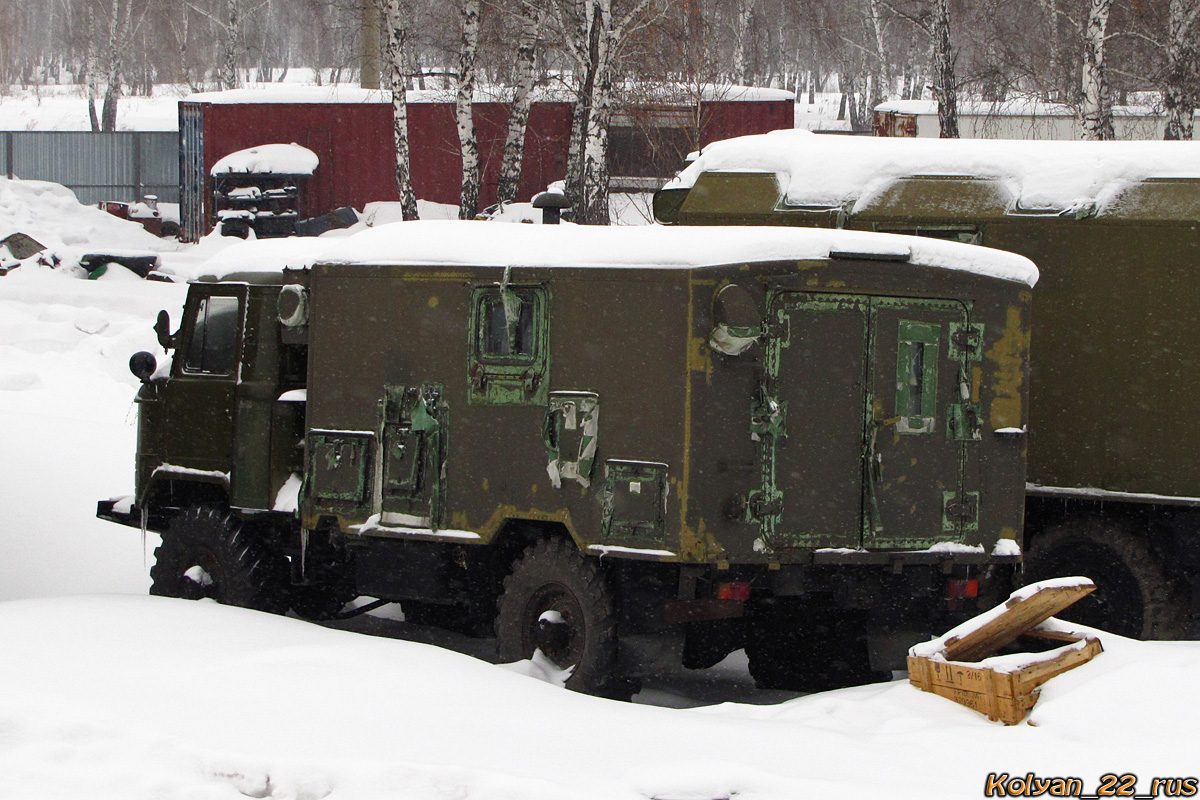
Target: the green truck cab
(1114, 469)
(810, 444)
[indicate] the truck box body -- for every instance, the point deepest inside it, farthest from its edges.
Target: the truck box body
(1113, 228)
(674, 440)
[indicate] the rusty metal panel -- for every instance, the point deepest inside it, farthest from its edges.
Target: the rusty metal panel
(193, 184)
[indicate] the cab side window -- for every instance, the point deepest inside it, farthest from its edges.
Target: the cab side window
(212, 348)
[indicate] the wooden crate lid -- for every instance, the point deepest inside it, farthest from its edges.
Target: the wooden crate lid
(1025, 609)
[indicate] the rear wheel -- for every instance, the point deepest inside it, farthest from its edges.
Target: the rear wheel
(208, 553)
(558, 601)
(1133, 597)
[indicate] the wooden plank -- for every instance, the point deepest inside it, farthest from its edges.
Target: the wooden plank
(1036, 674)
(1020, 615)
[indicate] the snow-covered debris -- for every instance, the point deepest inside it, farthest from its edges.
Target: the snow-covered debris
(480, 244)
(1050, 176)
(277, 159)
(51, 214)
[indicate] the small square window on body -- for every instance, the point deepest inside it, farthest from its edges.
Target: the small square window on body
(509, 358)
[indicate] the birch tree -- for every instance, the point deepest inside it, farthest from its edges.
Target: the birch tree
(525, 78)
(1182, 68)
(118, 36)
(468, 204)
(945, 89)
(594, 38)
(1096, 102)
(743, 10)
(880, 79)
(934, 19)
(395, 21)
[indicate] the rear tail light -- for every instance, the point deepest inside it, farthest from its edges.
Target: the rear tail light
(962, 587)
(736, 590)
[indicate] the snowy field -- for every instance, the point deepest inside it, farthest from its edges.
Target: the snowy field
(108, 693)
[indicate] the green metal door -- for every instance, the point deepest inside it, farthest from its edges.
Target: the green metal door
(809, 421)
(919, 426)
(864, 421)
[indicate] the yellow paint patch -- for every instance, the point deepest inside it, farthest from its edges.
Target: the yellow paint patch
(485, 484)
(1009, 356)
(433, 301)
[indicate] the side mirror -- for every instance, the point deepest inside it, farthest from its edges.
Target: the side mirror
(162, 328)
(143, 364)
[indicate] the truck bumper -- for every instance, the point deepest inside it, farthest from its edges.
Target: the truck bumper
(120, 510)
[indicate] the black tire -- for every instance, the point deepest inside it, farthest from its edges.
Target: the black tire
(808, 649)
(552, 576)
(319, 602)
(238, 569)
(1133, 597)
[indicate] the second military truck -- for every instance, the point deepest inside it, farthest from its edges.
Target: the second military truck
(806, 443)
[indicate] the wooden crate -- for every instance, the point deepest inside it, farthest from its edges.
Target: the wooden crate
(1005, 694)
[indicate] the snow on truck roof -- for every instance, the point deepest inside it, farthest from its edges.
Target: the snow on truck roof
(483, 244)
(817, 170)
(277, 159)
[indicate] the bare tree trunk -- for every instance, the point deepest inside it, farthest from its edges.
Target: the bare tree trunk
(593, 38)
(518, 112)
(229, 74)
(880, 89)
(118, 35)
(1096, 107)
(468, 204)
(368, 74)
(743, 10)
(90, 65)
(1180, 93)
(592, 208)
(395, 23)
(945, 89)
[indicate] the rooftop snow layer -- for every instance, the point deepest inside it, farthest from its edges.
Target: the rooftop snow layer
(279, 159)
(829, 171)
(483, 244)
(340, 93)
(1018, 107)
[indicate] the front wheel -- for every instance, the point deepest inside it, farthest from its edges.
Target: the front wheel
(207, 553)
(559, 602)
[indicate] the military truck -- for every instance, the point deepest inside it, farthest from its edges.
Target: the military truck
(1114, 471)
(798, 442)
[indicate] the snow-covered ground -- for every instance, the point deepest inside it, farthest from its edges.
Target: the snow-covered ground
(108, 693)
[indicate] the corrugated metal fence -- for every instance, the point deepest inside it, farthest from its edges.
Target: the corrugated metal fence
(124, 165)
